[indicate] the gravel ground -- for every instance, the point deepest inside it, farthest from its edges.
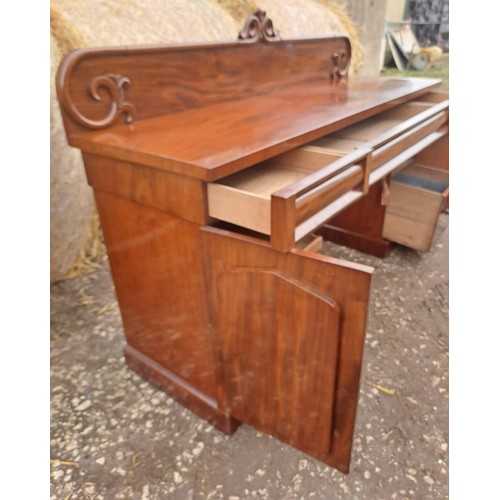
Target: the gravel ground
(115, 436)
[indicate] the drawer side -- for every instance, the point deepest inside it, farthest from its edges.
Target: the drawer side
(417, 195)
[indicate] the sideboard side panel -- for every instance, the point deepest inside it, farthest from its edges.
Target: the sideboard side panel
(181, 196)
(157, 268)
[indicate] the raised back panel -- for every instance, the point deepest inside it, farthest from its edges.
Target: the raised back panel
(100, 87)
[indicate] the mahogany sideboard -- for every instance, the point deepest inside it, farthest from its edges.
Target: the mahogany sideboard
(212, 166)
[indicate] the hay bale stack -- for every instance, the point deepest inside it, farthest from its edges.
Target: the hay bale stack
(308, 18)
(75, 24)
(71, 202)
(353, 32)
(143, 22)
(239, 9)
(97, 23)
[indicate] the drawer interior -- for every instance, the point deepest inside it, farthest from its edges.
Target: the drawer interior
(418, 195)
(347, 139)
(425, 178)
(244, 198)
(292, 194)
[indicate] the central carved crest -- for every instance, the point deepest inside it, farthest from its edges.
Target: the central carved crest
(258, 27)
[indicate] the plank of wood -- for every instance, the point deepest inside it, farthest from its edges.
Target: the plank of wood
(247, 131)
(411, 216)
(253, 211)
(310, 243)
(286, 375)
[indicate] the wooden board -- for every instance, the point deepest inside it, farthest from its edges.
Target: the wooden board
(250, 190)
(294, 376)
(412, 213)
(251, 129)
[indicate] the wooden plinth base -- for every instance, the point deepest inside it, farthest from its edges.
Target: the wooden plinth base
(189, 396)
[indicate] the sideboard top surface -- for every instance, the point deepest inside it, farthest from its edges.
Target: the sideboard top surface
(216, 140)
(207, 111)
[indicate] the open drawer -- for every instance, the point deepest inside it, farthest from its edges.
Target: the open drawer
(292, 194)
(418, 195)
(392, 132)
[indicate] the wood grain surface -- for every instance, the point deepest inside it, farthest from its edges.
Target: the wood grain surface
(290, 328)
(229, 136)
(236, 326)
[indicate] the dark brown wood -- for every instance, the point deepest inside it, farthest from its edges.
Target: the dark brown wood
(333, 188)
(249, 130)
(360, 225)
(377, 247)
(94, 85)
(236, 325)
(301, 201)
(180, 196)
(282, 222)
(157, 266)
(387, 151)
(258, 27)
(182, 391)
(286, 380)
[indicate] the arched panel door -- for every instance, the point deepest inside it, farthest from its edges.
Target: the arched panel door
(279, 340)
(288, 333)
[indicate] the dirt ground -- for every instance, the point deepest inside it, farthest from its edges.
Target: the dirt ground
(115, 436)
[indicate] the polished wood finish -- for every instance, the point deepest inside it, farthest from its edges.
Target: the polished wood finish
(209, 187)
(181, 390)
(360, 226)
(296, 192)
(145, 82)
(414, 132)
(249, 130)
(158, 271)
(180, 196)
(258, 27)
(271, 379)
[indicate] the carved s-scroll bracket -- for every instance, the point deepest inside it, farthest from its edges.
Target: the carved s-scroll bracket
(340, 60)
(258, 27)
(115, 86)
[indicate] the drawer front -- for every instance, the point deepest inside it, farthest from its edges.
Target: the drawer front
(288, 197)
(384, 150)
(289, 334)
(293, 194)
(417, 197)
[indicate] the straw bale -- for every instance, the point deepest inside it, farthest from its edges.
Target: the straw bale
(302, 18)
(138, 22)
(351, 28)
(75, 235)
(97, 23)
(71, 202)
(239, 9)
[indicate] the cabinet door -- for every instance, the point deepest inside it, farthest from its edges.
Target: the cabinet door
(289, 333)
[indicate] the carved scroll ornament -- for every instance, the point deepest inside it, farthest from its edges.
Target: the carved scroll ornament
(340, 59)
(258, 27)
(110, 83)
(115, 85)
